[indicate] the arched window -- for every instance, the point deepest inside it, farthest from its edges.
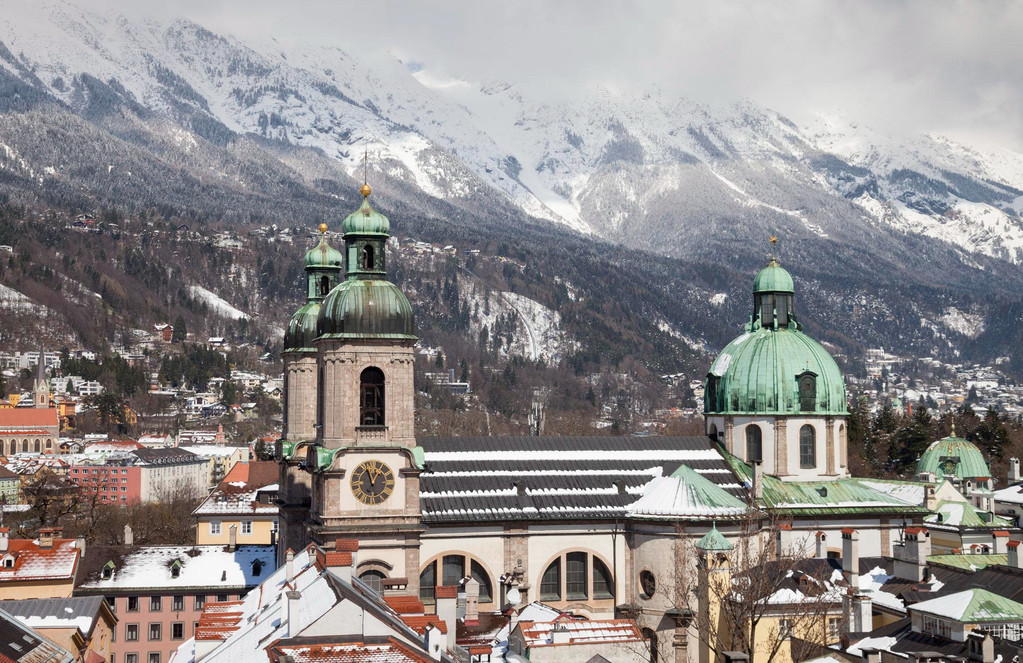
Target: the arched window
(712, 392)
(807, 382)
(49, 444)
(375, 580)
(712, 432)
(807, 446)
(754, 443)
(452, 572)
(367, 257)
(576, 576)
(38, 445)
(24, 446)
(371, 405)
(324, 286)
(550, 584)
(651, 637)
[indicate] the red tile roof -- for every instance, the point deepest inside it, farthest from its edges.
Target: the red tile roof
(346, 545)
(33, 563)
(418, 623)
(405, 605)
(389, 651)
(219, 620)
(28, 417)
(446, 592)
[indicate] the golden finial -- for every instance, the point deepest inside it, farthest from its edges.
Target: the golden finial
(365, 190)
(773, 239)
(323, 228)
(953, 428)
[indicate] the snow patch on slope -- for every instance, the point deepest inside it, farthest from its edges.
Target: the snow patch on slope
(217, 305)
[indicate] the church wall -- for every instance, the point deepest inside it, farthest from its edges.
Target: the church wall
(300, 396)
(780, 444)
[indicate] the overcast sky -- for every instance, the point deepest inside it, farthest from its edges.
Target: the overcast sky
(950, 67)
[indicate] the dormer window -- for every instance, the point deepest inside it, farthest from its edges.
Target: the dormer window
(807, 383)
(175, 569)
(108, 571)
(8, 562)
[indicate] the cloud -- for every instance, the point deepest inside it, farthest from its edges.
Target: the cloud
(907, 66)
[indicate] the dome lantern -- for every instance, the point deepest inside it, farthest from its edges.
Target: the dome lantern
(323, 264)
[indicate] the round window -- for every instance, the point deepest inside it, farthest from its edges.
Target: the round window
(647, 584)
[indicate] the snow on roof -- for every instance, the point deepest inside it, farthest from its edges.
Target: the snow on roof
(237, 492)
(906, 491)
(77, 613)
(581, 631)
(112, 446)
(34, 563)
(972, 606)
(210, 450)
(873, 582)
(391, 651)
(685, 493)
(871, 643)
(210, 567)
(1010, 495)
(538, 612)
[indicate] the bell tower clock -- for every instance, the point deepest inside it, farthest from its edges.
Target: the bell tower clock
(365, 463)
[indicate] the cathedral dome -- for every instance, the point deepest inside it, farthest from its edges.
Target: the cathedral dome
(324, 255)
(774, 368)
(364, 308)
(953, 456)
(301, 330)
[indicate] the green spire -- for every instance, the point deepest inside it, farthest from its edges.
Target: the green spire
(323, 265)
(714, 541)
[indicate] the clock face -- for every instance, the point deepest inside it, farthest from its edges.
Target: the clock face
(372, 482)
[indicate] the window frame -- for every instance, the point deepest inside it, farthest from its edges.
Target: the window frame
(807, 447)
(754, 441)
(128, 632)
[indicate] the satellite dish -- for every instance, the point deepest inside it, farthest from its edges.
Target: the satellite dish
(513, 596)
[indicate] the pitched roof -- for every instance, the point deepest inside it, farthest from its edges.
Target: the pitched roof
(325, 649)
(236, 493)
(81, 612)
(581, 631)
(28, 417)
(972, 606)
(954, 514)
(688, 494)
(20, 643)
(149, 567)
(165, 456)
(562, 478)
(34, 563)
(713, 540)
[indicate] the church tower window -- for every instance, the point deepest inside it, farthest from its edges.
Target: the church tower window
(754, 443)
(367, 257)
(807, 447)
(324, 286)
(371, 405)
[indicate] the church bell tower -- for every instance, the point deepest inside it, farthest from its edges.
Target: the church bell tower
(365, 464)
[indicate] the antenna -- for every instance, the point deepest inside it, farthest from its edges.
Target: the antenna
(365, 164)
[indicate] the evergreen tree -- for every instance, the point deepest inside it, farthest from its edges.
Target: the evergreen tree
(180, 330)
(991, 435)
(912, 439)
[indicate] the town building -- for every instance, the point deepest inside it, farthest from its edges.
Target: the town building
(21, 644)
(158, 592)
(39, 568)
(10, 486)
(243, 506)
(83, 626)
(170, 471)
(221, 458)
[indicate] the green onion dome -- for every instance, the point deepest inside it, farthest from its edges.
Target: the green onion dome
(774, 368)
(301, 330)
(366, 220)
(953, 456)
(324, 255)
(363, 309)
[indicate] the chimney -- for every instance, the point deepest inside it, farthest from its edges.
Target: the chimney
(435, 641)
(757, 488)
(857, 612)
(851, 557)
(232, 538)
(289, 565)
(47, 536)
(1014, 470)
(1001, 540)
(822, 545)
(472, 601)
(930, 500)
(341, 564)
(5, 539)
(293, 597)
(395, 586)
(129, 536)
(447, 610)
(911, 555)
(80, 544)
(871, 655)
(1014, 559)
(560, 635)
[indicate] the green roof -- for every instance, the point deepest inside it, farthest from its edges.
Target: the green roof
(838, 496)
(713, 540)
(366, 221)
(773, 278)
(758, 371)
(363, 308)
(301, 330)
(324, 256)
(972, 606)
(956, 513)
(969, 562)
(685, 493)
(953, 456)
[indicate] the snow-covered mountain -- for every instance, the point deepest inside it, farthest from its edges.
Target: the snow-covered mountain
(653, 171)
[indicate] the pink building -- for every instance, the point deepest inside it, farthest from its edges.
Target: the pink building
(112, 484)
(158, 592)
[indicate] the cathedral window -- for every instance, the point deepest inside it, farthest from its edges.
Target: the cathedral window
(371, 404)
(453, 569)
(367, 257)
(452, 572)
(603, 583)
(575, 576)
(480, 575)
(428, 583)
(550, 584)
(374, 579)
(807, 447)
(754, 443)
(807, 382)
